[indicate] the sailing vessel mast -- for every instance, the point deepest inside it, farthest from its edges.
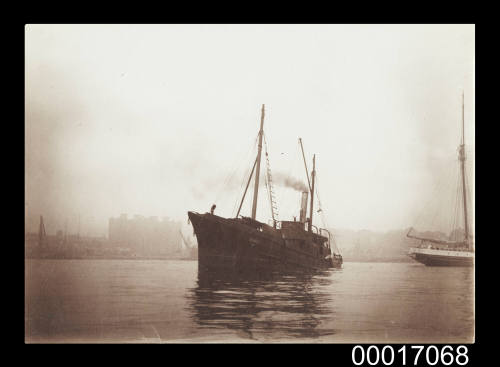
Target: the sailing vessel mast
(462, 164)
(41, 233)
(446, 256)
(65, 240)
(461, 158)
(257, 173)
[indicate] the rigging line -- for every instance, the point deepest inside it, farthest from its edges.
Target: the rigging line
(420, 221)
(460, 208)
(243, 180)
(233, 170)
(272, 199)
(434, 193)
(235, 206)
(459, 214)
(457, 207)
(287, 205)
(297, 171)
(424, 212)
(266, 177)
(249, 172)
(438, 212)
(453, 206)
(292, 163)
(320, 207)
(269, 179)
(322, 212)
(456, 204)
(460, 204)
(468, 184)
(469, 205)
(305, 165)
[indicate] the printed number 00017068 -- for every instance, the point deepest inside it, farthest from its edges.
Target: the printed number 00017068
(432, 355)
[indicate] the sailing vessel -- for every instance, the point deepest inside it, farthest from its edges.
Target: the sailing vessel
(37, 245)
(42, 235)
(439, 252)
(245, 244)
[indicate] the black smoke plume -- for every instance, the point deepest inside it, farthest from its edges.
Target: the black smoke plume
(285, 180)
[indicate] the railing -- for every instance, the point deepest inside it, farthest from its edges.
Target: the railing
(329, 235)
(464, 249)
(321, 230)
(313, 226)
(276, 223)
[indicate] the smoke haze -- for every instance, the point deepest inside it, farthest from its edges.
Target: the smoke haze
(290, 182)
(154, 119)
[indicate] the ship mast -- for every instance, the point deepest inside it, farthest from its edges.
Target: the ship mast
(313, 174)
(305, 164)
(462, 164)
(41, 233)
(311, 187)
(257, 173)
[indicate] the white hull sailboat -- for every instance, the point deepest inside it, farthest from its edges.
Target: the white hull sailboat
(434, 252)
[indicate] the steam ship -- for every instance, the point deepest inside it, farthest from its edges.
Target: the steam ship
(439, 252)
(245, 244)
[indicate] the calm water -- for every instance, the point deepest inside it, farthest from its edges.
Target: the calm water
(166, 301)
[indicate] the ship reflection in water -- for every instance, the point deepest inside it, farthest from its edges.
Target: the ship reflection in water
(165, 301)
(264, 306)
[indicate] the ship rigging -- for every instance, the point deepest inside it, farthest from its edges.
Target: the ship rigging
(453, 251)
(244, 243)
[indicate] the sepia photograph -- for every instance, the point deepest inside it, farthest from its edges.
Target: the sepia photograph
(249, 183)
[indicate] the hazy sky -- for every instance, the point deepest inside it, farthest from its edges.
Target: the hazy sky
(162, 119)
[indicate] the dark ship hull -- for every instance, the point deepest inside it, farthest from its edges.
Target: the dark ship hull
(437, 257)
(248, 245)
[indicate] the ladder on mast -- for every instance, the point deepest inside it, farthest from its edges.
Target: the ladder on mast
(269, 184)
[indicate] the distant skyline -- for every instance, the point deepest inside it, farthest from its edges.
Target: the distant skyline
(157, 120)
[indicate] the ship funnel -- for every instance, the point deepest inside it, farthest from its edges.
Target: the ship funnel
(303, 206)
